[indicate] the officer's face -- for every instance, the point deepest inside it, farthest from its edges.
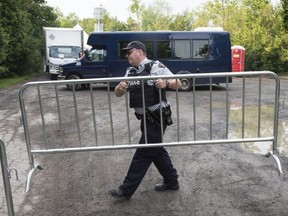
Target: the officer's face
(133, 57)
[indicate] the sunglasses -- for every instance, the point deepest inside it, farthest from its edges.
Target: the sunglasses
(130, 52)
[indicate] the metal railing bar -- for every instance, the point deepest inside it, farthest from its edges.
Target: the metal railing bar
(76, 116)
(6, 179)
(227, 107)
(25, 125)
(161, 117)
(243, 106)
(59, 114)
(149, 145)
(276, 113)
(42, 116)
(144, 113)
(93, 114)
(177, 112)
(115, 79)
(210, 108)
(259, 105)
(110, 114)
(128, 119)
(194, 109)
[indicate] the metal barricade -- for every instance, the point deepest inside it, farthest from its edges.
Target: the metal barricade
(79, 121)
(6, 179)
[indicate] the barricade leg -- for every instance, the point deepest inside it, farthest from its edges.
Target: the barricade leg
(5, 173)
(29, 176)
(277, 161)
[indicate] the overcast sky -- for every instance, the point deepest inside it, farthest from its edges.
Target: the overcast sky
(118, 8)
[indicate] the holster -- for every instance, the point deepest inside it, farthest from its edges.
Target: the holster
(166, 115)
(138, 116)
(148, 115)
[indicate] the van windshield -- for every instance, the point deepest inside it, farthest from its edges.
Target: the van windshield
(96, 55)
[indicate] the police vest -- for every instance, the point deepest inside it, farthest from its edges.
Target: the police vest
(151, 93)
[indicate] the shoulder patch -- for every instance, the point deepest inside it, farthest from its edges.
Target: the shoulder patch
(161, 65)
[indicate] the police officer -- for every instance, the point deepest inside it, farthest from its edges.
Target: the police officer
(143, 157)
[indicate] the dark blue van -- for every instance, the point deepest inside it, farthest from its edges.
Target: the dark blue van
(183, 52)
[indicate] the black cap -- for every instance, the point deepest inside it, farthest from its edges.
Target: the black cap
(135, 45)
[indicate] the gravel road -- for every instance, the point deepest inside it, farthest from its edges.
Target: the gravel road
(214, 180)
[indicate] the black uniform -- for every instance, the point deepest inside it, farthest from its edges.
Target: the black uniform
(143, 157)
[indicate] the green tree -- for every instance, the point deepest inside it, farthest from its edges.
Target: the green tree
(262, 36)
(182, 22)
(87, 24)
(254, 24)
(136, 9)
(113, 24)
(21, 35)
(156, 16)
(285, 14)
(69, 21)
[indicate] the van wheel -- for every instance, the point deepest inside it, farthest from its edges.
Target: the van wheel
(186, 84)
(70, 86)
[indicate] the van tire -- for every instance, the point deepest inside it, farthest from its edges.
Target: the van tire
(187, 83)
(70, 86)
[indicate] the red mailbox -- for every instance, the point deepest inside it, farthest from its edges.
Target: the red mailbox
(238, 58)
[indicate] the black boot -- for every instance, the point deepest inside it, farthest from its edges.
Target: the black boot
(163, 186)
(118, 194)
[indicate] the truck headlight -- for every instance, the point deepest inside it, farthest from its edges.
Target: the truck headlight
(52, 66)
(60, 70)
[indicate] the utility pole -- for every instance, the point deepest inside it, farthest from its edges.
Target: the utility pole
(98, 16)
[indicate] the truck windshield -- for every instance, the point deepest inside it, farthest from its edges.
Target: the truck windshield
(64, 51)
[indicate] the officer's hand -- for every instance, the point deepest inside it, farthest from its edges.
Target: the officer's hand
(120, 88)
(160, 83)
(123, 85)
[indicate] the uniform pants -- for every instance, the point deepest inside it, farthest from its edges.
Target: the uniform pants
(143, 158)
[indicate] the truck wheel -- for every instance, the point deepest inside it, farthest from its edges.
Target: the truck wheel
(70, 86)
(53, 76)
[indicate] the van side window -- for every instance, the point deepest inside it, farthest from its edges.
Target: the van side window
(123, 44)
(182, 49)
(164, 50)
(200, 49)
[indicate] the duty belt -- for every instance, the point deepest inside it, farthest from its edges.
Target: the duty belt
(152, 116)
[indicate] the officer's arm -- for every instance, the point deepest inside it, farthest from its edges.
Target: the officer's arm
(173, 84)
(169, 83)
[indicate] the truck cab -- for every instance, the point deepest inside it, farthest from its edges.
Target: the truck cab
(59, 54)
(93, 64)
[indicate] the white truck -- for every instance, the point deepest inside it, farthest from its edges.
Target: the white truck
(62, 45)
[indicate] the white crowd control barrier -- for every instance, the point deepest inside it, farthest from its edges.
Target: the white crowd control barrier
(57, 120)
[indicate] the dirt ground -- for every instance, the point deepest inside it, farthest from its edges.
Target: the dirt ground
(214, 179)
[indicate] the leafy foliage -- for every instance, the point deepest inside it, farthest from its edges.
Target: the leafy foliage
(21, 35)
(258, 25)
(285, 14)
(254, 24)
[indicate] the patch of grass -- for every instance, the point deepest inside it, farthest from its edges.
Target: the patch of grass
(283, 74)
(7, 82)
